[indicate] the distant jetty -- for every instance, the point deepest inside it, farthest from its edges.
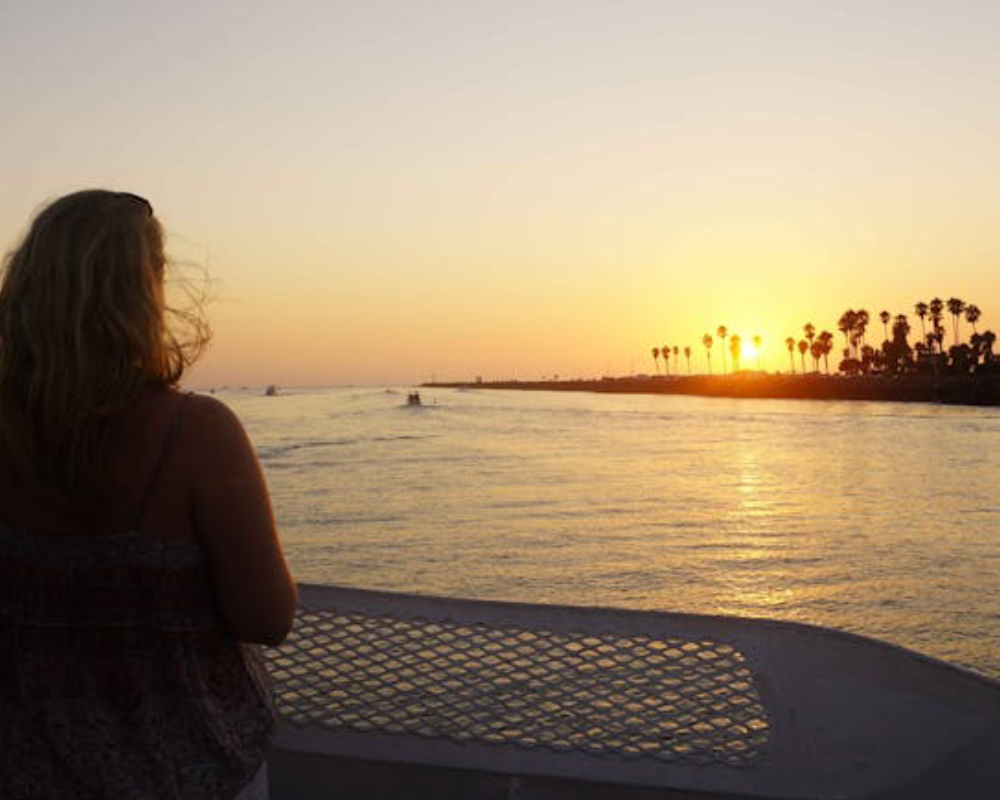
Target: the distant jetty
(975, 390)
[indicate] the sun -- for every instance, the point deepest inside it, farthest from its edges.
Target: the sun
(748, 351)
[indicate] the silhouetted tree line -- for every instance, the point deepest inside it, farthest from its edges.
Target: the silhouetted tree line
(859, 357)
(928, 354)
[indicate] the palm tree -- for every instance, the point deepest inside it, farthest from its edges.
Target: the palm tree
(790, 344)
(707, 341)
(936, 307)
(868, 358)
(902, 325)
(955, 308)
(989, 339)
(972, 314)
(976, 344)
(861, 325)
(734, 351)
(810, 331)
(687, 355)
(803, 348)
(816, 351)
(921, 309)
(665, 352)
(898, 350)
(656, 359)
(756, 347)
(826, 340)
(846, 324)
(677, 359)
(885, 316)
(721, 333)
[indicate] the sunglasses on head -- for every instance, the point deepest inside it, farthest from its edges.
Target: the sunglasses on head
(135, 199)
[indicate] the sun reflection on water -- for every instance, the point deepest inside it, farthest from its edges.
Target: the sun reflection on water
(839, 514)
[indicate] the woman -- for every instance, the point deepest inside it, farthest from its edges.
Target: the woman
(138, 553)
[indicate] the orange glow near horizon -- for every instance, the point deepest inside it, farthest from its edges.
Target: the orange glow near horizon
(454, 190)
(748, 354)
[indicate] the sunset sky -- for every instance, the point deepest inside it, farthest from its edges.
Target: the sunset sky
(390, 191)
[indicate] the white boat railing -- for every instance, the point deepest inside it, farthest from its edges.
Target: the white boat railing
(748, 707)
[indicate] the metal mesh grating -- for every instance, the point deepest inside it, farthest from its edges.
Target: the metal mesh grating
(674, 700)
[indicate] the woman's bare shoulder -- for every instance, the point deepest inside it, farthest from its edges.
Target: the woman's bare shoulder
(210, 416)
(213, 436)
(207, 408)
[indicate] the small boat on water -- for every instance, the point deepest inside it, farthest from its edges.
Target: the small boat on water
(413, 399)
(384, 695)
(271, 390)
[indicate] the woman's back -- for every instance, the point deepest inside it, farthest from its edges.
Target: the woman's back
(138, 553)
(120, 676)
(141, 462)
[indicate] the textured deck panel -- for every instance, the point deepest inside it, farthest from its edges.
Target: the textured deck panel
(675, 700)
(747, 708)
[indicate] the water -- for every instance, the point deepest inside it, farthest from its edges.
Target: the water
(882, 519)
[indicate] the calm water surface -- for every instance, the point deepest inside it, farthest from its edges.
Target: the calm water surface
(882, 519)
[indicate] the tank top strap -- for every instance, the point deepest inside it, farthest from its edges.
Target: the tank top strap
(168, 440)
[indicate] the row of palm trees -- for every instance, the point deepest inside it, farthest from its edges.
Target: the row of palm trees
(731, 342)
(929, 352)
(818, 346)
(934, 311)
(665, 352)
(895, 354)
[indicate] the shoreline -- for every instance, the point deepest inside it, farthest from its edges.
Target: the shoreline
(972, 390)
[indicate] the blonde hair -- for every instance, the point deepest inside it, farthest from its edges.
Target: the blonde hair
(83, 330)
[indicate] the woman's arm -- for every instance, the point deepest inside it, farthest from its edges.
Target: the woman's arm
(234, 522)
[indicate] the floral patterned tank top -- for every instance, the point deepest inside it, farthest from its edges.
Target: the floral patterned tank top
(117, 676)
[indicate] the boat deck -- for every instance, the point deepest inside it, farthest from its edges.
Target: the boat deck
(408, 696)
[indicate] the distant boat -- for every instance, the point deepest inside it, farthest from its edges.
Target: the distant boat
(413, 399)
(271, 390)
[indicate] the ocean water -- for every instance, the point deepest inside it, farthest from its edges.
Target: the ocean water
(881, 519)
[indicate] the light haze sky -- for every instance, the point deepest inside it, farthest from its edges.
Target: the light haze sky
(390, 191)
